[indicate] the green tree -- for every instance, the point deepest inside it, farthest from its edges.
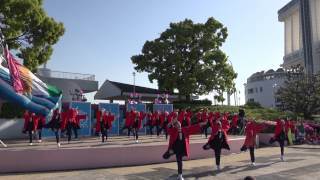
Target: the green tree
(187, 57)
(300, 93)
(29, 30)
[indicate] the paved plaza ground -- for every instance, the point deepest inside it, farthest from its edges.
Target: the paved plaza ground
(301, 162)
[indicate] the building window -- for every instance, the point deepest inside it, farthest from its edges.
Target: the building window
(250, 91)
(256, 90)
(261, 89)
(251, 100)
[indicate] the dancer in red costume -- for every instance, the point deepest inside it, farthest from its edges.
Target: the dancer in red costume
(40, 125)
(56, 124)
(130, 116)
(280, 135)
(137, 124)
(218, 140)
(251, 131)
(30, 124)
(179, 141)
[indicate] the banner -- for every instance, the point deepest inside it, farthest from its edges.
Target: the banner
(163, 107)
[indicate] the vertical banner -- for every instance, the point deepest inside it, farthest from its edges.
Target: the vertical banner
(85, 124)
(115, 110)
(163, 107)
(140, 108)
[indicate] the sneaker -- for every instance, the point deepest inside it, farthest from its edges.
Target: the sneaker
(253, 164)
(137, 141)
(30, 144)
(282, 158)
(218, 168)
(58, 145)
(180, 177)
(39, 141)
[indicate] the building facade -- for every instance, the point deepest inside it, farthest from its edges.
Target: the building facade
(262, 86)
(301, 20)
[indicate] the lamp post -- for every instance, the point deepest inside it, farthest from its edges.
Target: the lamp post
(274, 94)
(134, 83)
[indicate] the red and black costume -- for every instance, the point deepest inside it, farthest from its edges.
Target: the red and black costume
(128, 124)
(41, 124)
(139, 117)
(72, 123)
(280, 135)
(218, 140)
(30, 124)
(179, 143)
(56, 123)
(150, 122)
(156, 116)
(165, 120)
(251, 130)
(234, 129)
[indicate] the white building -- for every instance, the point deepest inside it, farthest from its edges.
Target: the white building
(261, 87)
(301, 20)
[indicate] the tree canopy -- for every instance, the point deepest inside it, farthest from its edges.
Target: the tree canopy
(188, 57)
(300, 93)
(29, 30)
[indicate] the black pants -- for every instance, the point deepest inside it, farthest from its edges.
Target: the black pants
(30, 136)
(56, 132)
(217, 154)
(151, 130)
(165, 131)
(104, 134)
(158, 130)
(39, 133)
(252, 154)
(206, 129)
(179, 163)
(136, 131)
(281, 142)
(129, 129)
(69, 131)
(75, 130)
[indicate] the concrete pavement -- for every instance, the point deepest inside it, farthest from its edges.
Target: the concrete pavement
(301, 162)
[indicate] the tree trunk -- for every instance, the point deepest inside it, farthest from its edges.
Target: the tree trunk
(188, 98)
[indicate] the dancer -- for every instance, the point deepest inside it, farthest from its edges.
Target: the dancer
(204, 118)
(130, 116)
(56, 124)
(157, 122)
(179, 141)
(280, 136)
(98, 119)
(165, 120)
(109, 119)
(73, 123)
(251, 130)
(137, 124)
(218, 140)
(234, 125)
(30, 124)
(199, 116)
(182, 118)
(41, 123)
(150, 122)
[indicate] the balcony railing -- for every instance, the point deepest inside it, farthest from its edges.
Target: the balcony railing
(65, 75)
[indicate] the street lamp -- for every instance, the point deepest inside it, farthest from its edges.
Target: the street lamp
(274, 93)
(134, 83)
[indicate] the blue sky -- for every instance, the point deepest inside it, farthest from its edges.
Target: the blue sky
(102, 35)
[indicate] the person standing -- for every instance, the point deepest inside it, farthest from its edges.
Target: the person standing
(217, 142)
(30, 125)
(179, 142)
(40, 125)
(280, 135)
(56, 124)
(251, 131)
